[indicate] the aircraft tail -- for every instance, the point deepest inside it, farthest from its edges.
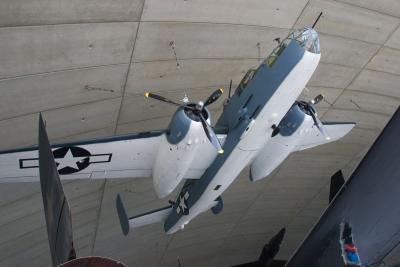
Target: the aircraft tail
(155, 216)
(337, 181)
(56, 207)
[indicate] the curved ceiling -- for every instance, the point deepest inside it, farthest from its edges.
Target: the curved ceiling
(86, 64)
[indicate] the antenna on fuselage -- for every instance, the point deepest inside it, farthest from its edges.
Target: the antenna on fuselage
(316, 21)
(230, 88)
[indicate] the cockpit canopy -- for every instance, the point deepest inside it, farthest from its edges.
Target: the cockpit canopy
(307, 38)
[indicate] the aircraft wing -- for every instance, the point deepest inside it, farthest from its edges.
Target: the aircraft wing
(115, 157)
(314, 137)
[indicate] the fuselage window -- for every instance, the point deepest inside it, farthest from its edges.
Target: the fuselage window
(243, 83)
(271, 59)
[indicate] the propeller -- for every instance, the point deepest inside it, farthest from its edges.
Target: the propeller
(211, 134)
(161, 98)
(197, 110)
(309, 108)
(319, 125)
(317, 99)
(214, 96)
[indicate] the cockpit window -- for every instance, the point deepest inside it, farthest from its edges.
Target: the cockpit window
(249, 75)
(276, 53)
(307, 38)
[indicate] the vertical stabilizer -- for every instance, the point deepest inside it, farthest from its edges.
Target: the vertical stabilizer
(337, 181)
(56, 207)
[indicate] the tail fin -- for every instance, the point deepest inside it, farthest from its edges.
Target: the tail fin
(271, 249)
(337, 181)
(56, 207)
(155, 216)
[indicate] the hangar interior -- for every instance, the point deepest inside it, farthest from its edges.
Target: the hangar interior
(86, 64)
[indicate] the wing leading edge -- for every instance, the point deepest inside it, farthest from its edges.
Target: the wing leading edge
(126, 156)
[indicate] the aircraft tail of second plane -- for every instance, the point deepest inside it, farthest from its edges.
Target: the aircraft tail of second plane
(158, 215)
(147, 218)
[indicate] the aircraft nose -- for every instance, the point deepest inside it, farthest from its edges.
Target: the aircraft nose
(308, 38)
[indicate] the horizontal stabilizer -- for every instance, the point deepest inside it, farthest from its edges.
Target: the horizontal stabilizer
(147, 218)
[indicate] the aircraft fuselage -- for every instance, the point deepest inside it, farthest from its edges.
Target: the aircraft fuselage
(252, 113)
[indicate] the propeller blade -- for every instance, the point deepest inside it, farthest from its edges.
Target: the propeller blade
(211, 135)
(214, 96)
(317, 99)
(320, 126)
(161, 98)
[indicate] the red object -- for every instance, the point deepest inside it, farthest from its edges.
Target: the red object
(93, 262)
(350, 247)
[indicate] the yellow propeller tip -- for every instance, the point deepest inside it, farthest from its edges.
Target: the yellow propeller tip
(222, 90)
(146, 94)
(221, 151)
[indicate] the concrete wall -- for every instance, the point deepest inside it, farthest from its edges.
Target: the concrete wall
(85, 65)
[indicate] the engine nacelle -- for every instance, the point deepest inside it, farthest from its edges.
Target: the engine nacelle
(278, 148)
(177, 149)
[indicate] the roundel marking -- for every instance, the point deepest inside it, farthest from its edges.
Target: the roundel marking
(71, 159)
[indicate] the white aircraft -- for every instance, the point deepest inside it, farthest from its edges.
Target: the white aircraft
(262, 123)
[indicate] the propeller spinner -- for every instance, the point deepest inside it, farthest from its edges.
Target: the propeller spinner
(197, 110)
